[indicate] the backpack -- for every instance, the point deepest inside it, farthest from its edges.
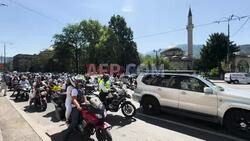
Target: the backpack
(80, 95)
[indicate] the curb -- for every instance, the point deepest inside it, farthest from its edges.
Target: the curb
(40, 131)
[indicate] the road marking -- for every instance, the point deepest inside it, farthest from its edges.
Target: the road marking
(194, 128)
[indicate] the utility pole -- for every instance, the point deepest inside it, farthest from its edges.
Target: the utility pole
(156, 55)
(4, 61)
(228, 20)
(4, 54)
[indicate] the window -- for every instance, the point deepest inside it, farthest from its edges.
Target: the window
(156, 80)
(187, 83)
(175, 82)
(192, 84)
(147, 79)
(161, 81)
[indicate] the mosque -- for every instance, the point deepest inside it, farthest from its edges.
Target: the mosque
(182, 60)
(176, 55)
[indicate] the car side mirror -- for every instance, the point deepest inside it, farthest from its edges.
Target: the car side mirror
(208, 90)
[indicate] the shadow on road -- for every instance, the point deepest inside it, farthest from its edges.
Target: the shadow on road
(52, 115)
(76, 136)
(192, 127)
(119, 121)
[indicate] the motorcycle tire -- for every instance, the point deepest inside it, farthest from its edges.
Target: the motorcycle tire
(26, 96)
(44, 105)
(104, 135)
(128, 109)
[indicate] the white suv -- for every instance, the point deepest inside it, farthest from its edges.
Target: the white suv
(195, 96)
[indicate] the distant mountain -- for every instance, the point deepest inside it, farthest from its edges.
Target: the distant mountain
(196, 49)
(244, 49)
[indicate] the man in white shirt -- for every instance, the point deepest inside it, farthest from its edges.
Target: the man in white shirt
(72, 107)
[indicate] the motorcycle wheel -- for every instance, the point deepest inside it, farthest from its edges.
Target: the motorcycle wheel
(57, 113)
(26, 97)
(128, 109)
(44, 105)
(103, 135)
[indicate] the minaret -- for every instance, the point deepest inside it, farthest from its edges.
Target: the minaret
(190, 27)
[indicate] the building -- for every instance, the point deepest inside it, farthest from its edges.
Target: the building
(177, 56)
(22, 62)
(241, 61)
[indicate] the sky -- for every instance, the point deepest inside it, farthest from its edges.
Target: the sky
(28, 26)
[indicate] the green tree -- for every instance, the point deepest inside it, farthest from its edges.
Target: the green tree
(126, 48)
(71, 40)
(214, 52)
(149, 60)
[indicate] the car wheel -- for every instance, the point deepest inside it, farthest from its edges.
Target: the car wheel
(238, 122)
(236, 81)
(151, 106)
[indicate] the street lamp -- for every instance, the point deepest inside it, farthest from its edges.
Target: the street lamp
(156, 55)
(228, 20)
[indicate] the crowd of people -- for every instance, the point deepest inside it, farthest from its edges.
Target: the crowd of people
(72, 85)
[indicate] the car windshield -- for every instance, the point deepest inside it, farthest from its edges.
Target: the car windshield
(212, 84)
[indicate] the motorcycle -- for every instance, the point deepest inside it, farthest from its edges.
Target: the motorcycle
(92, 120)
(58, 99)
(117, 99)
(39, 99)
(23, 92)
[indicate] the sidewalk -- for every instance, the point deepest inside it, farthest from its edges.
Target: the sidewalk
(13, 127)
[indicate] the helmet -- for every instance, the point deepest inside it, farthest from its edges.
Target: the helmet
(72, 81)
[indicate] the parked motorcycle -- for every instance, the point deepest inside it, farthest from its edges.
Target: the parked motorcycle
(58, 99)
(39, 99)
(23, 92)
(117, 98)
(92, 120)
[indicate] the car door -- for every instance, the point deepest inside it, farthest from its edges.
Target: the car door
(168, 97)
(193, 98)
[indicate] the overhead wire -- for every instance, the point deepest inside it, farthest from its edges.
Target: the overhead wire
(241, 27)
(36, 12)
(171, 31)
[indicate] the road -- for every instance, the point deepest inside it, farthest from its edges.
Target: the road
(165, 127)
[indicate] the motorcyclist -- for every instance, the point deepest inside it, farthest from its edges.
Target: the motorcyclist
(37, 84)
(103, 87)
(23, 83)
(72, 106)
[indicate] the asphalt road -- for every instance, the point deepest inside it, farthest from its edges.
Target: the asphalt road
(165, 127)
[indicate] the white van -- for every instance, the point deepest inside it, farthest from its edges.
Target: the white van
(236, 78)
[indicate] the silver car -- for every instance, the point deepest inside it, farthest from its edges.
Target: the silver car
(194, 96)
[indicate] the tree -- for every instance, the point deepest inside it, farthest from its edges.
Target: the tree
(150, 61)
(126, 48)
(71, 40)
(215, 52)
(89, 42)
